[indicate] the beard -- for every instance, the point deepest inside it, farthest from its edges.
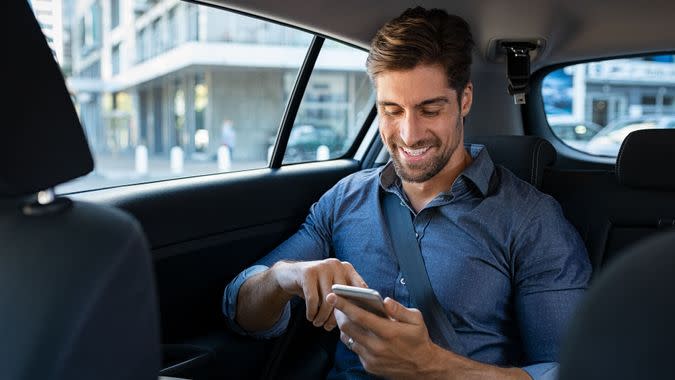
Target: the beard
(422, 171)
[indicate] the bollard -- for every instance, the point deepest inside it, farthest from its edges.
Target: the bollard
(176, 160)
(322, 153)
(141, 161)
(224, 159)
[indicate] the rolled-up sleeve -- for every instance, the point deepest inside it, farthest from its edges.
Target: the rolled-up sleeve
(230, 306)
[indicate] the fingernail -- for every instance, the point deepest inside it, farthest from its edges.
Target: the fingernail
(331, 298)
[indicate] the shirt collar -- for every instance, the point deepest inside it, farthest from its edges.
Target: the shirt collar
(479, 172)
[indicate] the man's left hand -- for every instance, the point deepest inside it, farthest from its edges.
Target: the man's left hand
(398, 347)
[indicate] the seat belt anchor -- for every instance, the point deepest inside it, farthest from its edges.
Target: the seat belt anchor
(518, 68)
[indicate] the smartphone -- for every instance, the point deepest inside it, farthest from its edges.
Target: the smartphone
(367, 299)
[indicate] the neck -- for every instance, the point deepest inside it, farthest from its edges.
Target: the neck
(420, 194)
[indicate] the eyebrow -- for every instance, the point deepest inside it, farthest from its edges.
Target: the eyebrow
(432, 101)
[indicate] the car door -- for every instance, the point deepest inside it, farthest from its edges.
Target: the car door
(156, 118)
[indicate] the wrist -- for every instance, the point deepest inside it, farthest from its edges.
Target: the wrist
(281, 275)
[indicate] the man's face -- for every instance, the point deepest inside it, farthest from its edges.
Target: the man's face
(420, 120)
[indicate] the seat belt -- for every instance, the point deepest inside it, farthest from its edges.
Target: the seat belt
(410, 261)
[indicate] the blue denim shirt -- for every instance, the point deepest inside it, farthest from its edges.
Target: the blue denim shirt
(506, 266)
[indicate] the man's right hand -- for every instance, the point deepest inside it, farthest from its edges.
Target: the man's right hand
(312, 280)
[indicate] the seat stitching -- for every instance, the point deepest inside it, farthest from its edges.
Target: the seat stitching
(535, 166)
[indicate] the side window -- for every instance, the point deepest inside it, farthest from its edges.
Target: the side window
(169, 89)
(593, 106)
(337, 101)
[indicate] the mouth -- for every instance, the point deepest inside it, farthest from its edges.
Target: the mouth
(414, 154)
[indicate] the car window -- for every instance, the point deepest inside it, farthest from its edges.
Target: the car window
(172, 89)
(337, 101)
(593, 106)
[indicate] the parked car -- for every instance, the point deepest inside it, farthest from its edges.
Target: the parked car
(576, 133)
(608, 141)
(305, 140)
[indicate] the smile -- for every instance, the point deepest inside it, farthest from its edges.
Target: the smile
(415, 152)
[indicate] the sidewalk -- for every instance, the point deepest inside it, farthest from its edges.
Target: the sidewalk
(111, 170)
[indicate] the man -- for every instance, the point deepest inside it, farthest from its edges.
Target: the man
(505, 265)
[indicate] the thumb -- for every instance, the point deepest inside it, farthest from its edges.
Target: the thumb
(402, 313)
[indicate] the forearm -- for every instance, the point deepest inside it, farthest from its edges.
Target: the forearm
(260, 302)
(447, 365)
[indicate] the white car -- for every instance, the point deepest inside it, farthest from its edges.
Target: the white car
(608, 141)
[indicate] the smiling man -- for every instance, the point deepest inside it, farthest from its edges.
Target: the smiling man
(504, 264)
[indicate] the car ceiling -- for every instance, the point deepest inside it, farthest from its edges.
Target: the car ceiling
(574, 30)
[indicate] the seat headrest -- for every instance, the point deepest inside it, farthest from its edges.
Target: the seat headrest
(42, 142)
(525, 156)
(646, 158)
(623, 329)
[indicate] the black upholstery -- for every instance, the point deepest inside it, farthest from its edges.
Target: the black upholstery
(608, 215)
(624, 328)
(77, 295)
(647, 160)
(40, 125)
(525, 156)
(612, 210)
(77, 289)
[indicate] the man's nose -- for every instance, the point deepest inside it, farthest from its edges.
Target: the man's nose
(410, 130)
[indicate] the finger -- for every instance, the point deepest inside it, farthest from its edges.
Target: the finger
(311, 300)
(330, 323)
(353, 276)
(402, 313)
(354, 346)
(349, 327)
(325, 309)
(354, 315)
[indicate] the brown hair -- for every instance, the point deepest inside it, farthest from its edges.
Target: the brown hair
(421, 36)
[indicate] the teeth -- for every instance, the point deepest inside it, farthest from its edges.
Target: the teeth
(415, 152)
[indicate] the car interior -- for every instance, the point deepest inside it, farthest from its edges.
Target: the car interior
(155, 256)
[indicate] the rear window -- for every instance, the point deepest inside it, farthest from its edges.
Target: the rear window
(592, 107)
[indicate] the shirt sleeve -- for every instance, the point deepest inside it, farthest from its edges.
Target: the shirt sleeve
(311, 242)
(551, 274)
(542, 371)
(230, 306)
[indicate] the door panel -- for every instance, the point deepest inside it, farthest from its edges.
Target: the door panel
(204, 230)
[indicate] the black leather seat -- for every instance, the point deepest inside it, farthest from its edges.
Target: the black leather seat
(77, 291)
(525, 156)
(613, 210)
(624, 328)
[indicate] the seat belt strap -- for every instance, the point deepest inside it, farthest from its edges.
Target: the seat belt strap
(407, 250)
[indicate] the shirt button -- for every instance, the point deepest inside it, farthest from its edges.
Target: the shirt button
(417, 235)
(402, 281)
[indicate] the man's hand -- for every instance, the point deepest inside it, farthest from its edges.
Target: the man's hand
(312, 280)
(400, 347)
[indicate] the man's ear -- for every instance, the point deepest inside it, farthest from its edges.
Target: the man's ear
(467, 99)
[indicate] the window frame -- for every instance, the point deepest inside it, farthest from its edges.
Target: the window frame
(535, 121)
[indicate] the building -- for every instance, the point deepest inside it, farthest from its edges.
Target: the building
(169, 73)
(608, 90)
(49, 14)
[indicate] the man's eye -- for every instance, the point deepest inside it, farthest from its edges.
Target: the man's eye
(394, 112)
(428, 113)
